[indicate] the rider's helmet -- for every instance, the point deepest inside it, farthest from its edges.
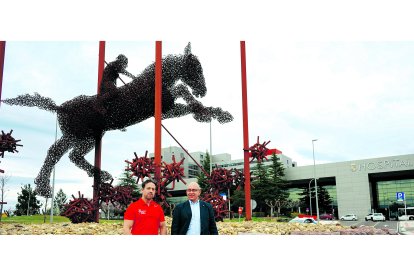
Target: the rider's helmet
(122, 61)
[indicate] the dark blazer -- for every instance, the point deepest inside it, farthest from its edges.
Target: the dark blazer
(182, 217)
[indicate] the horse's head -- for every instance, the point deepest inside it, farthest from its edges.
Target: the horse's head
(192, 73)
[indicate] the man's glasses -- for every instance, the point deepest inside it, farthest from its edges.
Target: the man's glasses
(192, 190)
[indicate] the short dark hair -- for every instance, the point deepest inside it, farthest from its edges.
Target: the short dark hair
(148, 181)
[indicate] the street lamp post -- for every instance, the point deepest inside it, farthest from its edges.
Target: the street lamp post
(314, 176)
(53, 180)
(28, 203)
(310, 196)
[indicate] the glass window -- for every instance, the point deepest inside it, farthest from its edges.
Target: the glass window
(387, 191)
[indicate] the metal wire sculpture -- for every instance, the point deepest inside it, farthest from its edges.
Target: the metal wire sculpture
(218, 203)
(81, 122)
(142, 167)
(220, 180)
(8, 144)
(79, 209)
(82, 209)
(258, 151)
(240, 179)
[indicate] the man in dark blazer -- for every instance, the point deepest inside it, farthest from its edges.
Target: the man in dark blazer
(193, 217)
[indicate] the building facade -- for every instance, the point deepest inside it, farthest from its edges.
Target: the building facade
(357, 186)
(364, 185)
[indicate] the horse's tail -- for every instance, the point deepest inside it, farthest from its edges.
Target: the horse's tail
(36, 100)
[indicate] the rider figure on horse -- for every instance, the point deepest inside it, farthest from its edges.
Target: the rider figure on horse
(108, 89)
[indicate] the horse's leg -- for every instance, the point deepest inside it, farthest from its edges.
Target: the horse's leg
(178, 110)
(220, 115)
(181, 91)
(200, 112)
(55, 152)
(77, 156)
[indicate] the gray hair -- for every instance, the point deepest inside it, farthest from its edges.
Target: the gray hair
(194, 184)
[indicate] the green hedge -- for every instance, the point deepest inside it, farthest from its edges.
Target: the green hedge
(258, 214)
(294, 214)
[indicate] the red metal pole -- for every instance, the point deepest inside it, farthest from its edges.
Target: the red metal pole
(245, 132)
(158, 108)
(2, 53)
(98, 142)
(101, 63)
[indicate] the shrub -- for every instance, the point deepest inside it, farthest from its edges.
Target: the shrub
(258, 214)
(294, 214)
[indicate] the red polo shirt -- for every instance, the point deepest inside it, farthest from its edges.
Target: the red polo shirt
(147, 218)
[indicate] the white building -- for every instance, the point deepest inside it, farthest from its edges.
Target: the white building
(357, 186)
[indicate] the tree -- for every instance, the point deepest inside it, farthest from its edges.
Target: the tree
(277, 179)
(59, 202)
(292, 204)
(270, 185)
(238, 200)
(126, 180)
(201, 177)
(324, 199)
(395, 205)
(45, 212)
(3, 180)
(304, 198)
(27, 202)
(262, 187)
(107, 208)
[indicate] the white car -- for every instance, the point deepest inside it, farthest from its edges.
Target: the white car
(378, 217)
(349, 217)
(368, 217)
(303, 220)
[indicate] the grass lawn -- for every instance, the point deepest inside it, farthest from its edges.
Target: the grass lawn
(38, 219)
(111, 221)
(259, 219)
(33, 219)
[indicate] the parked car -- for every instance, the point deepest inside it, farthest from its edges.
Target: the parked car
(303, 220)
(327, 216)
(378, 217)
(368, 217)
(349, 217)
(375, 217)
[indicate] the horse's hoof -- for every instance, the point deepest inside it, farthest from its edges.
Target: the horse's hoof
(201, 118)
(105, 176)
(225, 117)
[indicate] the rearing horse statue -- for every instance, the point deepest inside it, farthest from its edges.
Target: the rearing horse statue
(81, 124)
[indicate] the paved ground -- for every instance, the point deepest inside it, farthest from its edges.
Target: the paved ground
(393, 224)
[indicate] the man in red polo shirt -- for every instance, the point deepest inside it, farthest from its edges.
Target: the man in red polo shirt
(145, 217)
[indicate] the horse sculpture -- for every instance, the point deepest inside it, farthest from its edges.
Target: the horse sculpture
(81, 124)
